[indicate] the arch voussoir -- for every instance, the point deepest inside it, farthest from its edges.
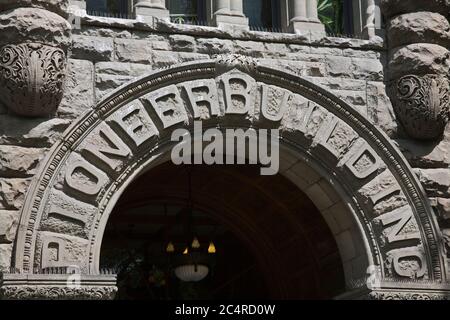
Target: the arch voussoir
(129, 131)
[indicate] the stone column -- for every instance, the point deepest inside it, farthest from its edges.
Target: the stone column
(229, 14)
(311, 9)
(34, 39)
(149, 9)
(237, 7)
(418, 65)
(304, 17)
(367, 19)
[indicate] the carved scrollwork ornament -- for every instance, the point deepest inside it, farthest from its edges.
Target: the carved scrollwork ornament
(31, 292)
(422, 105)
(400, 295)
(236, 61)
(31, 78)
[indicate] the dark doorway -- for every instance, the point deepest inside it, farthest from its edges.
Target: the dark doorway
(271, 241)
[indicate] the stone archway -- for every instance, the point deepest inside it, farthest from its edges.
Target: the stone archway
(362, 178)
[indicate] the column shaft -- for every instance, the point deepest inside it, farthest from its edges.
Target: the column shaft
(229, 14)
(299, 11)
(149, 9)
(311, 7)
(237, 7)
(304, 18)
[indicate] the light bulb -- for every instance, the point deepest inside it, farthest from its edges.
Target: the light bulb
(211, 248)
(186, 251)
(195, 244)
(170, 248)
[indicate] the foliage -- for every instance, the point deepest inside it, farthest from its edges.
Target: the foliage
(331, 15)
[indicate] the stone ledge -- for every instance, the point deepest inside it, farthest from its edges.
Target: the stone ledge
(162, 26)
(57, 287)
(400, 290)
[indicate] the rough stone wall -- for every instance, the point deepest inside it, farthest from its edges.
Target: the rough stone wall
(105, 55)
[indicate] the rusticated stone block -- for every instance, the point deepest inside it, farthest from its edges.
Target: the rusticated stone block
(435, 181)
(339, 66)
(34, 25)
(443, 207)
(392, 8)
(79, 92)
(419, 27)
(427, 154)
(102, 32)
(419, 59)
(5, 256)
(57, 6)
(12, 193)
(356, 68)
(163, 59)
(379, 107)
(18, 162)
(137, 51)
(181, 42)
(31, 132)
(214, 46)
(367, 69)
(8, 226)
(92, 48)
(123, 69)
(105, 83)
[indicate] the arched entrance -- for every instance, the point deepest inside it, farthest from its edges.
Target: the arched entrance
(272, 241)
(360, 183)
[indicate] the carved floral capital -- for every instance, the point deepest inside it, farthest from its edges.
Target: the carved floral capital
(31, 78)
(422, 104)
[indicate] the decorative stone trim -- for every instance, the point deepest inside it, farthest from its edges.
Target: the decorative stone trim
(422, 104)
(401, 290)
(33, 56)
(57, 287)
(31, 78)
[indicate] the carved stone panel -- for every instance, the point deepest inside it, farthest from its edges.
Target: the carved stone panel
(31, 78)
(33, 56)
(422, 104)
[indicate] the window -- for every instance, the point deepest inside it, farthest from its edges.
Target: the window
(263, 15)
(188, 11)
(337, 16)
(108, 8)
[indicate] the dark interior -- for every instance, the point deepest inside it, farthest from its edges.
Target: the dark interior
(271, 240)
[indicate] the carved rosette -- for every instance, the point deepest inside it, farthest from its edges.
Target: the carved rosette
(31, 78)
(422, 104)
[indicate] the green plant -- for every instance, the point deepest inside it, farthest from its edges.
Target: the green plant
(331, 15)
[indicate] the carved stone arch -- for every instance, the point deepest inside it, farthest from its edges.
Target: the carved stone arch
(129, 132)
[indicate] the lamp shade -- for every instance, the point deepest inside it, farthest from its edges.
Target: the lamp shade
(191, 272)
